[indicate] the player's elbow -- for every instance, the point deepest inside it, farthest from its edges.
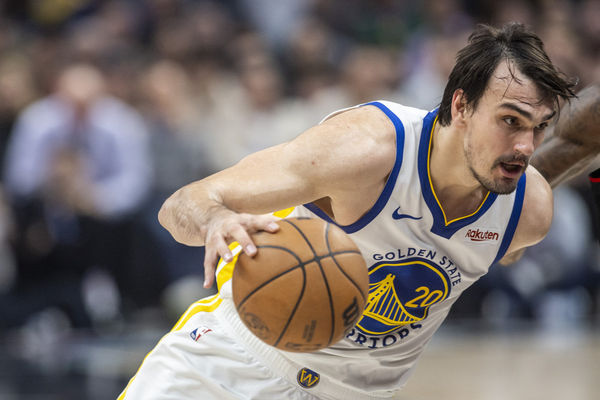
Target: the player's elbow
(167, 217)
(163, 215)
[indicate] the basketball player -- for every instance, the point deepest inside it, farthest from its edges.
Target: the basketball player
(432, 199)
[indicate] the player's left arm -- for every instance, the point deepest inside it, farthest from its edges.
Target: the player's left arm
(536, 216)
(574, 141)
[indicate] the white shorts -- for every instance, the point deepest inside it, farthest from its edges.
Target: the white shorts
(210, 354)
(198, 359)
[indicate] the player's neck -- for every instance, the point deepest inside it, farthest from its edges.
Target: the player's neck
(457, 190)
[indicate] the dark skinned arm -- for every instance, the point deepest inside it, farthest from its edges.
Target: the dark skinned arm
(572, 145)
(574, 142)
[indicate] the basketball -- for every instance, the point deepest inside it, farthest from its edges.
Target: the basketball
(304, 289)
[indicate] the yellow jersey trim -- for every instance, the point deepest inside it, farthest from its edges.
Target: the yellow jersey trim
(208, 304)
(446, 222)
(284, 213)
(205, 305)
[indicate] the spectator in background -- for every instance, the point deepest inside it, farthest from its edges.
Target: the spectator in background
(428, 63)
(7, 261)
(311, 58)
(367, 73)
(587, 15)
(275, 20)
(17, 90)
(77, 169)
(256, 115)
(178, 144)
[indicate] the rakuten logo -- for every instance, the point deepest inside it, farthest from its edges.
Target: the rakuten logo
(477, 235)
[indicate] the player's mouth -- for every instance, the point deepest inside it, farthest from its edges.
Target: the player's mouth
(512, 170)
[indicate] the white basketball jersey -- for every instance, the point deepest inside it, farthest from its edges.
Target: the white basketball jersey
(419, 263)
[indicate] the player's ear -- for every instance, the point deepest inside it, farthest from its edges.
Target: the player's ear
(459, 106)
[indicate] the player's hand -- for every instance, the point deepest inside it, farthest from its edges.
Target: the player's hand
(229, 227)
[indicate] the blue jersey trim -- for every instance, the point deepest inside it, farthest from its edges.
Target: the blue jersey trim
(389, 185)
(514, 219)
(439, 226)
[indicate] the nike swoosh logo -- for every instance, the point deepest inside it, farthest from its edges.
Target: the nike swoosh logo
(397, 215)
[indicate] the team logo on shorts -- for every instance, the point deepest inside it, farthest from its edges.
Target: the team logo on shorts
(308, 378)
(400, 293)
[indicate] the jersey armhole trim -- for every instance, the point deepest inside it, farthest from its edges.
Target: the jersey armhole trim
(389, 185)
(514, 219)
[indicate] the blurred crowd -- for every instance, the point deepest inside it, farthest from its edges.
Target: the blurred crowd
(107, 107)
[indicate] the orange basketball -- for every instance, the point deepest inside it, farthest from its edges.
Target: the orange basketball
(304, 289)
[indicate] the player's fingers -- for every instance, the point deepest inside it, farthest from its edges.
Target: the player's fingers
(266, 223)
(210, 261)
(271, 227)
(220, 245)
(240, 235)
(215, 248)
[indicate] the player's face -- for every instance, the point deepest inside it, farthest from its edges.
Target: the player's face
(504, 130)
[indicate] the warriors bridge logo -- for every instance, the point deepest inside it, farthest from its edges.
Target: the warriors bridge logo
(401, 293)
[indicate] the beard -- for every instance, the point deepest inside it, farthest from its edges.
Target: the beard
(501, 185)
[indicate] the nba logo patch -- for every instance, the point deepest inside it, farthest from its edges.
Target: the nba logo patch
(308, 378)
(199, 332)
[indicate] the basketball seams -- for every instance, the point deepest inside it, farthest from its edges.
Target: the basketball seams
(265, 283)
(337, 264)
(301, 264)
(306, 242)
(293, 312)
(318, 260)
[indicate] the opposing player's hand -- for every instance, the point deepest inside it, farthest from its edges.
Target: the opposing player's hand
(232, 227)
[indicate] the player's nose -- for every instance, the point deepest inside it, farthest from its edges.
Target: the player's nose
(525, 143)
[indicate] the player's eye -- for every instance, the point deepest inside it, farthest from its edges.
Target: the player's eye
(510, 121)
(542, 126)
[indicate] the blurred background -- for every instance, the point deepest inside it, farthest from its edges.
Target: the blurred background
(107, 107)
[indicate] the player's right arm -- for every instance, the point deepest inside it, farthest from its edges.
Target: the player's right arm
(344, 160)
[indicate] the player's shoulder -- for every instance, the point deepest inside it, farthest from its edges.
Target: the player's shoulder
(386, 110)
(536, 216)
(400, 110)
(357, 144)
(399, 114)
(369, 131)
(365, 123)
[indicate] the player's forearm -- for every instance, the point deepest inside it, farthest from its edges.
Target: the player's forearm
(561, 159)
(575, 141)
(231, 200)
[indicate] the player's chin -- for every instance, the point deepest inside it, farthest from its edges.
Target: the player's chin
(503, 185)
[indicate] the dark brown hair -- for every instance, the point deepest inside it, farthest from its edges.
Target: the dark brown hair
(488, 46)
